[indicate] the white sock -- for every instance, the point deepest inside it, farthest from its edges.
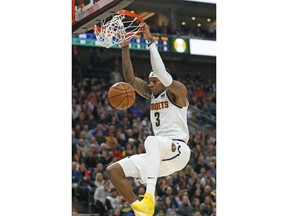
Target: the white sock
(153, 164)
(151, 187)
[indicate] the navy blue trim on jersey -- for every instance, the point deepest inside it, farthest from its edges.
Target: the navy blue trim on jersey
(172, 101)
(179, 140)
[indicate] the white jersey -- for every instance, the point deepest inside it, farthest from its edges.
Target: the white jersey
(168, 119)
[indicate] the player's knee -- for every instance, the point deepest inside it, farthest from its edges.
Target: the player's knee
(150, 142)
(114, 171)
(111, 169)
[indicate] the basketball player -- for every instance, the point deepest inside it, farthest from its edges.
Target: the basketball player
(166, 151)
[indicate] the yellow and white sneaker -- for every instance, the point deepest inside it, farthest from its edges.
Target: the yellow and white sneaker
(145, 207)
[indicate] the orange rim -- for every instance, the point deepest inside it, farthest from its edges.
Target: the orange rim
(95, 27)
(128, 13)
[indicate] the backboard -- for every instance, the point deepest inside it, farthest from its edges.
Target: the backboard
(86, 13)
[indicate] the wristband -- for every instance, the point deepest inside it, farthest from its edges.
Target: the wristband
(150, 43)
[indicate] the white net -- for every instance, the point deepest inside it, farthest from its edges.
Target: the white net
(117, 30)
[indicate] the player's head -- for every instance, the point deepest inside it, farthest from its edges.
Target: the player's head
(152, 74)
(155, 84)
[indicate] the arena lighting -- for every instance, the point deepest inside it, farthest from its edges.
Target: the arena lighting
(204, 1)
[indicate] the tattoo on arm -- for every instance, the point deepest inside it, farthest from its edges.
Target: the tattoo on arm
(139, 85)
(127, 67)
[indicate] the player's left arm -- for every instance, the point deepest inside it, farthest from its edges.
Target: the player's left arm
(178, 93)
(176, 90)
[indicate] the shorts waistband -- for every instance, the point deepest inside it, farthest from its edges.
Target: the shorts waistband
(179, 140)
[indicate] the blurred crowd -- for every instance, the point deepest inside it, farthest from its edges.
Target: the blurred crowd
(102, 135)
(206, 32)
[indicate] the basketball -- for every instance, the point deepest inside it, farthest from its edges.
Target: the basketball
(121, 95)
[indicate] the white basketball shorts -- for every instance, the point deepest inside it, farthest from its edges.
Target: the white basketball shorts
(174, 160)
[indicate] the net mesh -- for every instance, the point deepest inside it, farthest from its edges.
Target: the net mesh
(117, 30)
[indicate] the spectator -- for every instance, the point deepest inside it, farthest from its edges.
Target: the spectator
(212, 169)
(196, 204)
(90, 160)
(171, 183)
(206, 207)
(207, 192)
(188, 171)
(99, 181)
(74, 139)
(80, 165)
(160, 208)
(124, 208)
(214, 212)
(86, 187)
(112, 201)
(76, 174)
(77, 130)
(76, 177)
(185, 209)
(91, 121)
(100, 196)
(76, 109)
(193, 179)
(141, 190)
(161, 187)
(128, 151)
(200, 163)
(210, 157)
(180, 195)
(170, 210)
(197, 194)
(208, 180)
(100, 169)
(100, 138)
(169, 193)
(94, 143)
(87, 131)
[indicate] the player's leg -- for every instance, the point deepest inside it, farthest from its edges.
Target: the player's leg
(156, 149)
(123, 185)
(163, 157)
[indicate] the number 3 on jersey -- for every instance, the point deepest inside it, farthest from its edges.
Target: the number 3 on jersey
(157, 116)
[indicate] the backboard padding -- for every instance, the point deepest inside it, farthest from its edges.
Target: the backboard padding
(96, 13)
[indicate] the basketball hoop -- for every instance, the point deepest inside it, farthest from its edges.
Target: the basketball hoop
(122, 27)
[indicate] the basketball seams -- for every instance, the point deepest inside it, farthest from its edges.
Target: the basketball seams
(121, 103)
(126, 94)
(116, 87)
(118, 93)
